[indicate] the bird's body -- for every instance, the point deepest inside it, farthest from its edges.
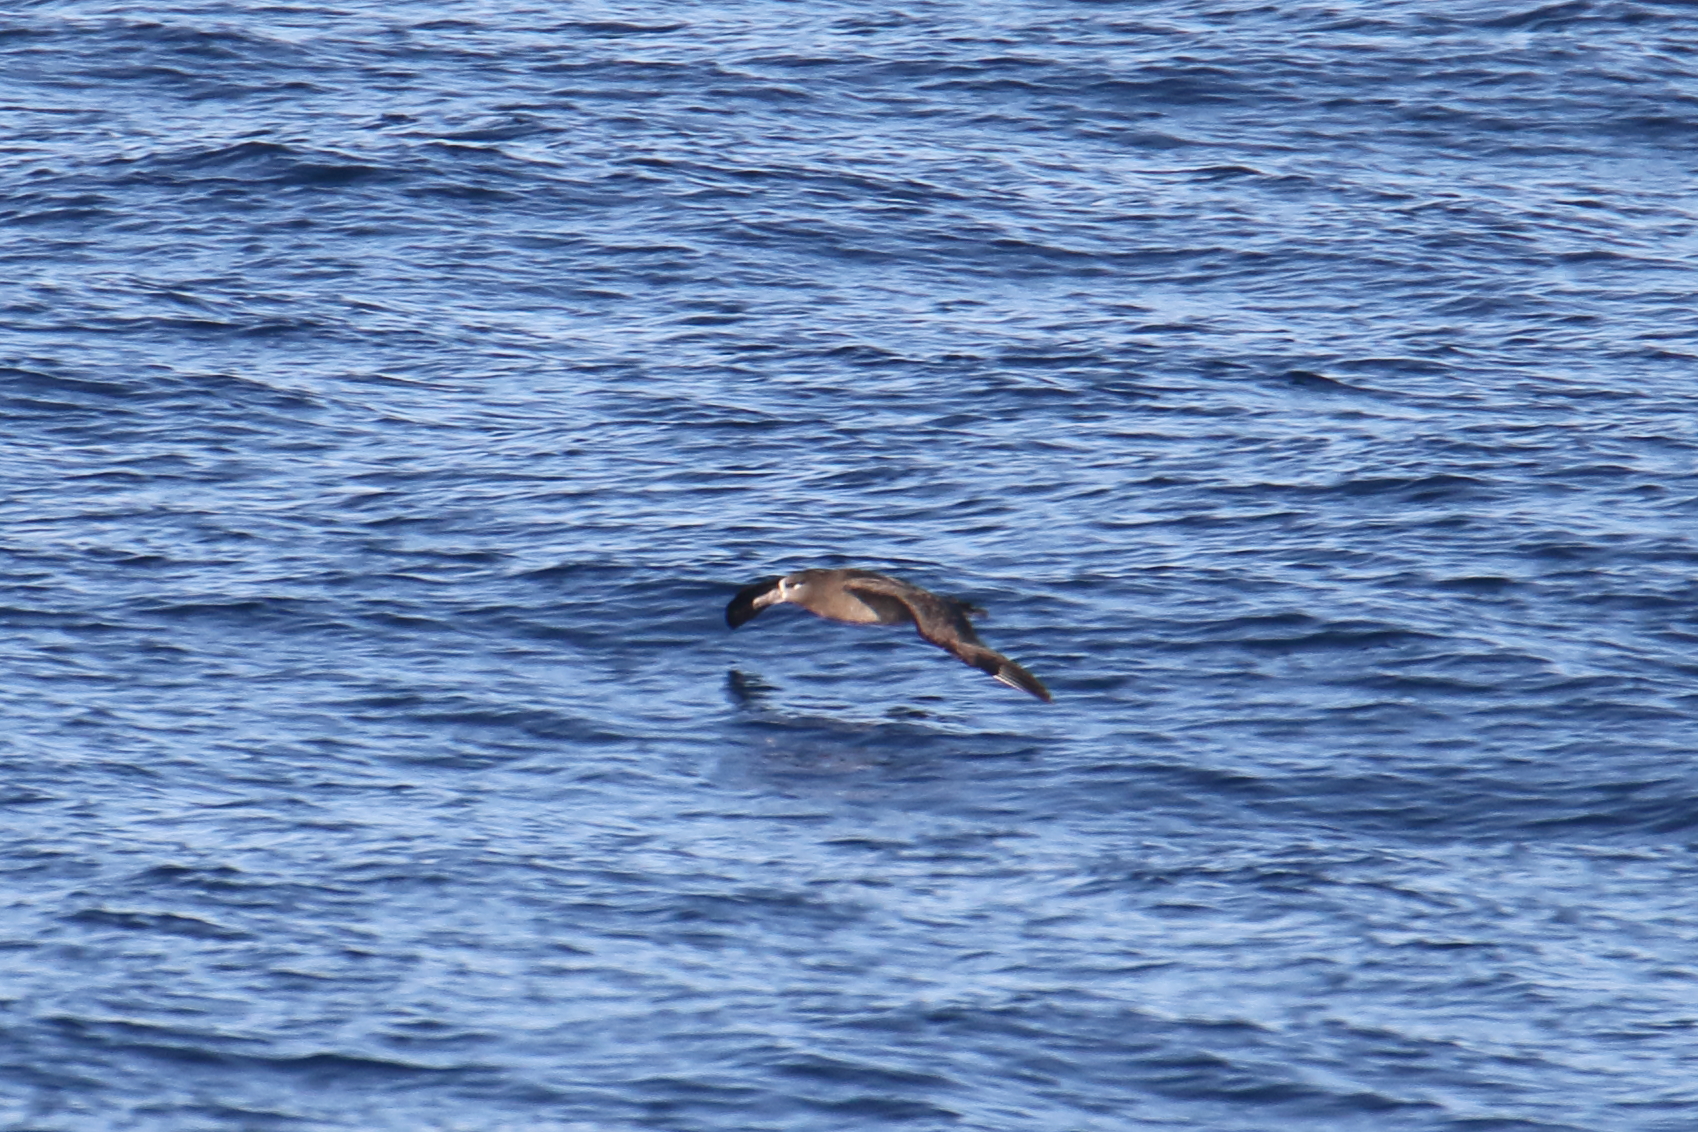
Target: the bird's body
(862, 597)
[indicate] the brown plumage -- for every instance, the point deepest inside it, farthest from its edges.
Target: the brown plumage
(861, 597)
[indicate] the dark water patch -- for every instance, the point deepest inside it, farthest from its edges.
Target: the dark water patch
(1422, 489)
(616, 29)
(1483, 584)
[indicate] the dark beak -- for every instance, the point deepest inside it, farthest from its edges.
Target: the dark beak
(744, 606)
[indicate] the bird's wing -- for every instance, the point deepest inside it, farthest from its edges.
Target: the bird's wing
(943, 622)
(950, 614)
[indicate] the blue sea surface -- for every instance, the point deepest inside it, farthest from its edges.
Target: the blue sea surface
(392, 395)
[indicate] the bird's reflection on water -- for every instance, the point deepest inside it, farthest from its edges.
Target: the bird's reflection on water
(751, 690)
(822, 749)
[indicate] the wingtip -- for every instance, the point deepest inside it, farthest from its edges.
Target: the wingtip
(744, 605)
(1016, 677)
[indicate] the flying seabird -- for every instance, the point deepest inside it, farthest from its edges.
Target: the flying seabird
(861, 597)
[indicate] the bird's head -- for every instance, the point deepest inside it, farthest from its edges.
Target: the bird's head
(751, 599)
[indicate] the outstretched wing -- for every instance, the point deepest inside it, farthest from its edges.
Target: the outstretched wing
(944, 622)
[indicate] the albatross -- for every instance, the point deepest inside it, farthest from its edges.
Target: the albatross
(861, 597)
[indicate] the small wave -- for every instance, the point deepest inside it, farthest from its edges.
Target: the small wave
(251, 162)
(1550, 17)
(168, 923)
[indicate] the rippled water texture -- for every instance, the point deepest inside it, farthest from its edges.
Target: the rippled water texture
(393, 394)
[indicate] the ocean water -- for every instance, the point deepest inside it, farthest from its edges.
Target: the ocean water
(393, 394)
